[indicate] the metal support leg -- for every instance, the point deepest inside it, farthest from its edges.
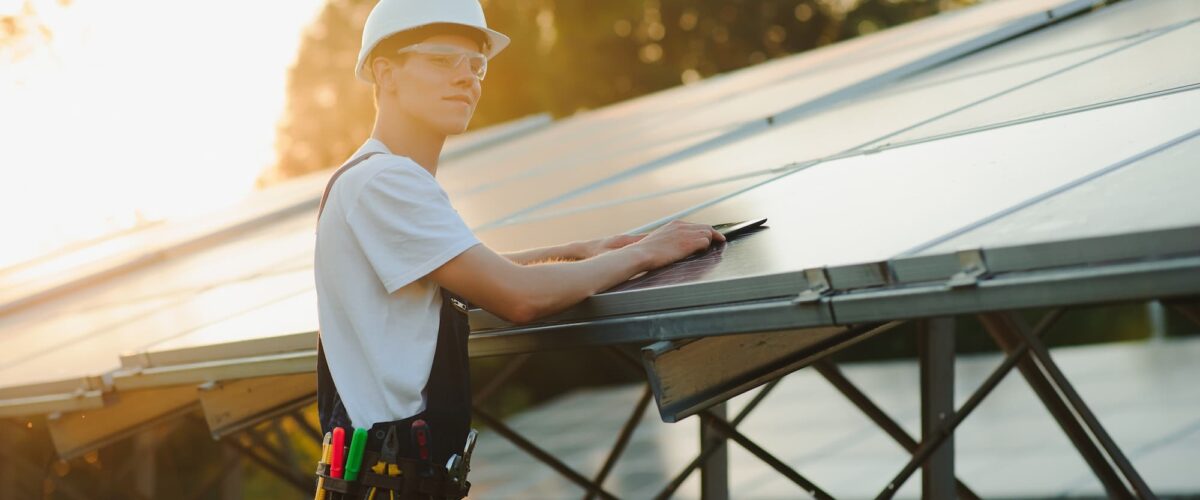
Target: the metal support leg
(714, 473)
(233, 481)
(930, 445)
(1156, 316)
(935, 348)
(1003, 328)
(144, 446)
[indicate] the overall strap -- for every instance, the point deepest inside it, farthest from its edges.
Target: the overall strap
(338, 173)
(329, 403)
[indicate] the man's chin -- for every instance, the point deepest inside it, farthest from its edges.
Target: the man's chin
(454, 128)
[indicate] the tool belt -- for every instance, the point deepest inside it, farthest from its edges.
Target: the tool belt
(415, 479)
(386, 474)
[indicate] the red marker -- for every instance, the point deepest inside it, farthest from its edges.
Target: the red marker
(421, 437)
(337, 449)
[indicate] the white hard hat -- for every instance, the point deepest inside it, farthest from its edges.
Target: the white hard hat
(394, 16)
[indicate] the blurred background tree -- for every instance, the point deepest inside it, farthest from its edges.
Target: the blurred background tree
(567, 56)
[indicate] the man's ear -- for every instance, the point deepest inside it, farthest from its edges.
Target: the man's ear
(384, 72)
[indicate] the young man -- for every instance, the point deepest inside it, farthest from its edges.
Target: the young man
(390, 247)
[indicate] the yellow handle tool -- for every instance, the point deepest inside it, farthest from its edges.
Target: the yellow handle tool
(325, 452)
(393, 470)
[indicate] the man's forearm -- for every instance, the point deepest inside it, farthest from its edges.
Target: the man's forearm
(551, 288)
(559, 253)
(522, 293)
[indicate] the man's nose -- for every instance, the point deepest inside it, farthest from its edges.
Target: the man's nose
(463, 76)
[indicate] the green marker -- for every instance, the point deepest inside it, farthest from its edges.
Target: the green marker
(354, 460)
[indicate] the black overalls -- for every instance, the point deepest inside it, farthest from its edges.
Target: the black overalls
(447, 392)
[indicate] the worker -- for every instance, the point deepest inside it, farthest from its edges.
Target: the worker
(396, 266)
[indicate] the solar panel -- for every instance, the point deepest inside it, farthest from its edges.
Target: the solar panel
(1103, 29)
(547, 168)
(1158, 60)
(860, 123)
(606, 217)
(291, 313)
(1147, 207)
(870, 207)
(708, 265)
(147, 246)
(50, 354)
(84, 336)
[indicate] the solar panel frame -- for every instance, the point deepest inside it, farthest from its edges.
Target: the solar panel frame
(1077, 285)
(1006, 291)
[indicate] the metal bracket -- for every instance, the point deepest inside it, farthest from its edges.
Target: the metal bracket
(818, 287)
(972, 269)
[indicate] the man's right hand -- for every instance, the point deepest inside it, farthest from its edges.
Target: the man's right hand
(674, 241)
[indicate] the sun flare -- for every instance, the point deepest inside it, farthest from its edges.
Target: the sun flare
(120, 112)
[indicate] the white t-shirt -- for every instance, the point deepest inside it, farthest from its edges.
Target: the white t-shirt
(387, 224)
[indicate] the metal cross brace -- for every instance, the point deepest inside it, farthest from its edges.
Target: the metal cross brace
(726, 429)
(524, 444)
(303, 484)
(839, 381)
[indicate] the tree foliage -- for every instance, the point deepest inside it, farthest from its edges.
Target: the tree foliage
(567, 56)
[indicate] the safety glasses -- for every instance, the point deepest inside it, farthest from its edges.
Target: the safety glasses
(449, 57)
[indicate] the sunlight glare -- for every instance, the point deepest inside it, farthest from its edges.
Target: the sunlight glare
(137, 110)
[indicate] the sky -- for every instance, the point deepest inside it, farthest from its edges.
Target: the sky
(119, 112)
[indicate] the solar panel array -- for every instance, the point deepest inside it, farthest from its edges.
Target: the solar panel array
(875, 160)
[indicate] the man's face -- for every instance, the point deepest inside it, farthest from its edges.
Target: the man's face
(431, 91)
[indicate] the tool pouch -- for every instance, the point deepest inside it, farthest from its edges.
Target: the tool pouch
(417, 479)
